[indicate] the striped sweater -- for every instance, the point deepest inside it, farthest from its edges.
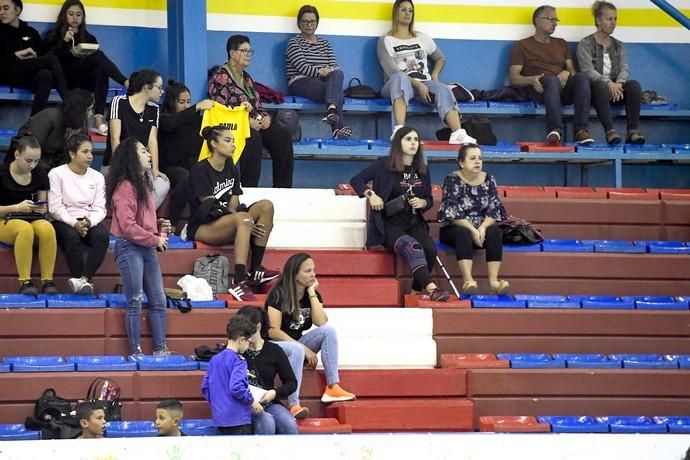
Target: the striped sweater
(304, 58)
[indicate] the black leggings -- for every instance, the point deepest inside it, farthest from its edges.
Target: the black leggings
(278, 142)
(70, 242)
(39, 75)
(235, 430)
(179, 183)
(422, 276)
(632, 92)
(92, 73)
(461, 239)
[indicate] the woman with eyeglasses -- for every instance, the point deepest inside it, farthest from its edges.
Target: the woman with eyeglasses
(136, 115)
(604, 60)
(231, 85)
(313, 71)
(24, 189)
(404, 55)
(90, 71)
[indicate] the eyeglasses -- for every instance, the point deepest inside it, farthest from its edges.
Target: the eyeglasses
(159, 87)
(309, 22)
(550, 19)
(246, 52)
(407, 10)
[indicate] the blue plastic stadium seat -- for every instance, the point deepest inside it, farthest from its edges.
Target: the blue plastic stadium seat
(548, 301)
(617, 246)
(133, 429)
(660, 303)
(604, 302)
(38, 364)
(82, 303)
(674, 424)
(646, 361)
(17, 432)
(21, 301)
(599, 147)
(668, 247)
(5, 367)
(175, 242)
(203, 365)
(566, 246)
(165, 363)
(574, 424)
(198, 427)
(681, 148)
(102, 363)
(302, 100)
(531, 360)
(632, 424)
(588, 361)
(119, 300)
(521, 105)
(522, 248)
(496, 301)
(647, 148)
(683, 361)
(501, 147)
(217, 303)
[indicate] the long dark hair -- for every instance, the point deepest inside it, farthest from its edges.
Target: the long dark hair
(125, 166)
(256, 315)
(75, 108)
(73, 142)
(395, 158)
(212, 133)
(61, 26)
(172, 94)
(286, 287)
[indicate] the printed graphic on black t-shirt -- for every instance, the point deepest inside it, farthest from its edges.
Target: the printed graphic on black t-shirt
(411, 60)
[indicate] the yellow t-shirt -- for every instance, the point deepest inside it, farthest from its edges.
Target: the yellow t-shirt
(236, 119)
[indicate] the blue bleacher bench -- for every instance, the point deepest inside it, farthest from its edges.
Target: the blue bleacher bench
(102, 363)
(589, 361)
(632, 424)
(574, 424)
(17, 432)
(531, 360)
(165, 363)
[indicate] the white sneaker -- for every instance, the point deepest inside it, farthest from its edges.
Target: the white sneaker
(461, 137)
(395, 130)
(80, 286)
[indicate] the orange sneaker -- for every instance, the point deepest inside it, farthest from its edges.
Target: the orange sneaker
(335, 393)
(299, 412)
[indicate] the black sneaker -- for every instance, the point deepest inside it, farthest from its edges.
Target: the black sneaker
(49, 288)
(331, 117)
(583, 137)
(28, 288)
(262, 275)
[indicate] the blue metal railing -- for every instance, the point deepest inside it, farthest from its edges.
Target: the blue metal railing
(674, 12)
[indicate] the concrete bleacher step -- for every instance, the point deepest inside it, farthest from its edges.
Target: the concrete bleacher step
(445, 414)
(323, 426)
(512, 424)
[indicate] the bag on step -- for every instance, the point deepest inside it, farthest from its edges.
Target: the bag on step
(360, 91)
(518, 231)
(105, 392)
(289, 120)
(215, 269)
(53, 417)
(205, 353)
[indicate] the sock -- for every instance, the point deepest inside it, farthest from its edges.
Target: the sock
(257, 256)
(240, 273)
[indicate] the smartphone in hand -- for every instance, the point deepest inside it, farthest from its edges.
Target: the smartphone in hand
(40, 202)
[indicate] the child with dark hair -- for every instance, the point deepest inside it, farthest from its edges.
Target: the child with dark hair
(169, 414)
(88, 70)
(179, 142)
(136, 115)
(226, 386)
(91, 418)
(129, 192)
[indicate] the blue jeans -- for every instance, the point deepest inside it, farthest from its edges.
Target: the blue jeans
(328, 90)
(576, 91)
(275, 419)
(141, 274)
(399, 85)
(323, 339)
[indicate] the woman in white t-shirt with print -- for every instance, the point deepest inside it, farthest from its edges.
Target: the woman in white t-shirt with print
(404, 56)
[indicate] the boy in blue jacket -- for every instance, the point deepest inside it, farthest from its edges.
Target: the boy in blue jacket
(226, 386)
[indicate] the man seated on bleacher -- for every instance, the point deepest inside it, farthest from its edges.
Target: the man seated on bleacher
(544, 66)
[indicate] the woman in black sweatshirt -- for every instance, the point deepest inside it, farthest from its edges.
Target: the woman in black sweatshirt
(179, 143)
(22, 63)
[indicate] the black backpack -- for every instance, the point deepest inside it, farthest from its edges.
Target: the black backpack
(289, 120)
(52, 416)
(205, 353)
(50, 406)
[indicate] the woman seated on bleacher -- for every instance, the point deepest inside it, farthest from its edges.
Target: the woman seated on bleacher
(52, 125)
(24, 189)
(605, 62)
(22, 63)
(265, 362)
(404, 55)
(216, 216)
(294, 305)
(231, 85)
(313, 71)
(179, 143)
(136, 115)
(76, 201)
(129, 192)
(400, 195)
(469, 212)
(88, 70)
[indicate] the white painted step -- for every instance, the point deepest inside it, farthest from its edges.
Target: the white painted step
(309, 205)
(381, 322)
(317, 235)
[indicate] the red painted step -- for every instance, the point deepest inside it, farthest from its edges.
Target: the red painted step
(472, 361)
(446, 414)
(322, 426)
(423, 301)
(512, 424)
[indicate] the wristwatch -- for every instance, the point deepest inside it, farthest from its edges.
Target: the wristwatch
(368, 193)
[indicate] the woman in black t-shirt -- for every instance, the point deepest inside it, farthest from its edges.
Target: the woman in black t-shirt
(294, 305)
(24, 189)
(218, 218)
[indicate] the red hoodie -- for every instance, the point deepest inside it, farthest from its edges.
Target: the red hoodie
(132, 220)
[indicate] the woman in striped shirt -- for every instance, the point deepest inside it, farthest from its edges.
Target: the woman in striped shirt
(313, 72)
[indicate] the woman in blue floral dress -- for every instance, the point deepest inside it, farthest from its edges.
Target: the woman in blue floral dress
(469, 213)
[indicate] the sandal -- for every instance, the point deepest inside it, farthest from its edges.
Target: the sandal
(342, 133)
(500, 288)
(470, 287)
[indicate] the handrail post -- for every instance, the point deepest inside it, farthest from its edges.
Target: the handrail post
(674, 12)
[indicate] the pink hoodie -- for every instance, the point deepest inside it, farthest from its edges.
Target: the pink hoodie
(133, 220)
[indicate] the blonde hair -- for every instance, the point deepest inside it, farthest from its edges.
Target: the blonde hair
(598, 8)
(410, 28)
